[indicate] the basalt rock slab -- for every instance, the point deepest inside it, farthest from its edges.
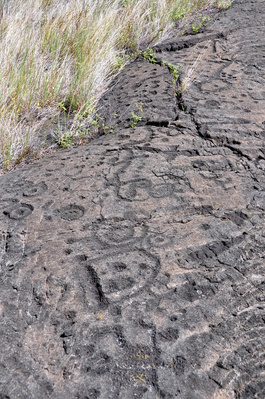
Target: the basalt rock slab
(134, 267)
(223, 80)
(144, 94)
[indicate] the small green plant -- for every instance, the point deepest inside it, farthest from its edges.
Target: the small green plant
(107, 129)
(198, 24)
(99, 125)
(183, 106)
(61, 106)
(177, 13)
(119, 64)
(135, 117)
(174, 70)
(150, 56)
(224, 4)
(66, 140)
(135, 120)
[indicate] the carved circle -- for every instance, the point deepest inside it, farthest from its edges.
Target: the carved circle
(115, 233)
(32, 190)
(121, 232)
(136, 190)
(159, 241)
(20, 212)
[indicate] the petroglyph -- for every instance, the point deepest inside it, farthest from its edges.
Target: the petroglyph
(133, 267)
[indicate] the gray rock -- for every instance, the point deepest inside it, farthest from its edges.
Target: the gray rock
(134, 267)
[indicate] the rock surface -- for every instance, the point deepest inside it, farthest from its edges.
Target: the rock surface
(134, 267)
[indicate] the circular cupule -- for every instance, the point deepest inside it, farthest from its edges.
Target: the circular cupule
(115, 233)
(136, 190)
(33, 190)
(21, 211)
(71, 212)
(158, 241)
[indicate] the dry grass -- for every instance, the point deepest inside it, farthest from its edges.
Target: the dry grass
(223, 395)
(60, 55)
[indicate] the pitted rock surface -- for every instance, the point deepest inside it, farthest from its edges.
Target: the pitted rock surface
(148, 93)
(134, 267)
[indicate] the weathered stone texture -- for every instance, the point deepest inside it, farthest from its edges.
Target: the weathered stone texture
(134, 267)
